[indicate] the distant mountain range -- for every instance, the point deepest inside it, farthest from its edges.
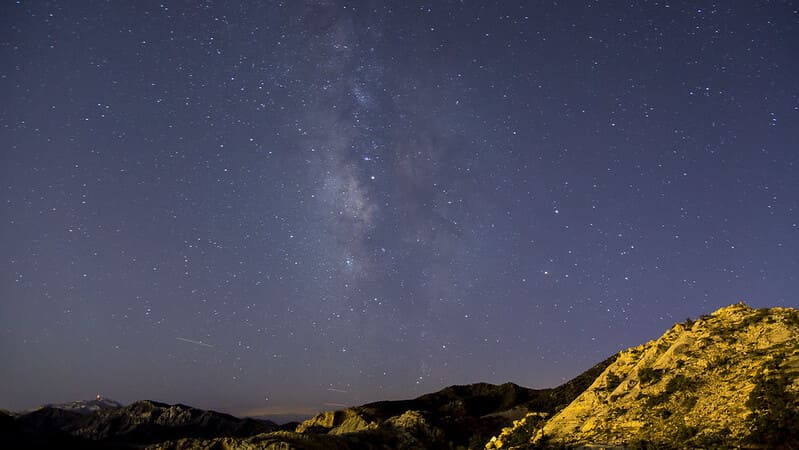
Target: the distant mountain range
(134, 426)
(725, 380)
(86, 406)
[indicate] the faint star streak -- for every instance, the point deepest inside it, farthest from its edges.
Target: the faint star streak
(192, 341)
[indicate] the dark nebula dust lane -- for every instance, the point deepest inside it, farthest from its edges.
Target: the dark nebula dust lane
(278, 206)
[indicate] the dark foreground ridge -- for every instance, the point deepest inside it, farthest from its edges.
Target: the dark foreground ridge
(455, 417)
(725, 380)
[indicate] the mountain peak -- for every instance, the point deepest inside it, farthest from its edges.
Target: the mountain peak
(87, 406)
(734, 309)
(728, 378)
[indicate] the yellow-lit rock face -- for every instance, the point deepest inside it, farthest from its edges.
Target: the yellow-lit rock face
(336, 422)
(696, 385)
(518, 433)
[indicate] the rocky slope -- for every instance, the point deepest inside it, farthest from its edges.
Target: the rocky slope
(725, 380)
(147, 421)
(730, 379)
(455, 417)
(141, 423)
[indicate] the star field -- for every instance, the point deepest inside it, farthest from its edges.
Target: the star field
(267, 207)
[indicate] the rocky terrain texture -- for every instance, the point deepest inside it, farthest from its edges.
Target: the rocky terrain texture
(730, 379)
(727, 380)
(133, 426)
(457, 417)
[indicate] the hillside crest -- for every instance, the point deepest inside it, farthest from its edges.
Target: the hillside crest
(724, 379)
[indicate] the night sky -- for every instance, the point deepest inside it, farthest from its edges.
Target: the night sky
(271, 207)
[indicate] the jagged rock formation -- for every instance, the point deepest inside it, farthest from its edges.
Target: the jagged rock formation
(455, 417)
(147, 421)
(725, 380)
(141, 423)
(336, 422)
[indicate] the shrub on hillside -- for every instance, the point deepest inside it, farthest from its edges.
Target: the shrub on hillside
(648, 375)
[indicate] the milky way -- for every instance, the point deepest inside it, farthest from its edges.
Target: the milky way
(274, 207)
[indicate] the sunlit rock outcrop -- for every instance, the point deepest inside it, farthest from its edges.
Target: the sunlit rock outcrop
(726, 379)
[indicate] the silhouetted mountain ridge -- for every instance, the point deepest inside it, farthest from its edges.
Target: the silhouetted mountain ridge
(86, 406)
(140, 423)
(729, 379)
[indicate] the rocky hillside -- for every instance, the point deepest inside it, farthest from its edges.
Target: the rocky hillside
(141, 423)
(147, 421)
(725, 380)
(457, 417)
